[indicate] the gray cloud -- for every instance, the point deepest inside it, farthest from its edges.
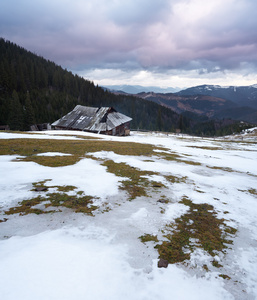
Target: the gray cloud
(157, 36)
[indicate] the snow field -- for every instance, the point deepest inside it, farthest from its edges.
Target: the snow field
(74, 256)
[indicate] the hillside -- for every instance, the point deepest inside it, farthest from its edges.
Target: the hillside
(199, 104)
(85, 216)
(214, 103)
(241, 95)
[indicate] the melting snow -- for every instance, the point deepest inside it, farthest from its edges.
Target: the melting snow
(75, 256)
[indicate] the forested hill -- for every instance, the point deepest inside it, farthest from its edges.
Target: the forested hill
(34, 90)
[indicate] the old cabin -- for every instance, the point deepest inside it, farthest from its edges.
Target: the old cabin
(105, 120)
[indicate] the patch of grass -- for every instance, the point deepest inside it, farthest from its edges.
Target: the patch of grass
(175, 179)
(163, 200)
(176, 157)
(169, 156)
(199, 224)
(190, 162)
(82, 204)
(230, 230)
(226, 169)
(63, 188)
(199, 191)
(205, 267)
(225, 276)
(216, 264)
(157, 184)
(162, 211)
(78, 202)
(29, 148)
(252, 191)
(136, 184)
(66, 188)
(26, 207)
(52, 161)
(40, 183)
(206, 147)
(148, 238)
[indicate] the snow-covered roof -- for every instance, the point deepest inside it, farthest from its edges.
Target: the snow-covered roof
(92, 119)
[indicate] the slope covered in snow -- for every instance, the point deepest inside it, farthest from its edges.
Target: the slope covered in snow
(100, 255)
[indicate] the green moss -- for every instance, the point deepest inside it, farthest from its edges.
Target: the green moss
(225, 276)
(164, 200)
(66, 188)
(206, 148)
(199, 224)
(199, 191)
(176, 157)
(205, 267)
(29, 148)
(26, 207)
(192, 163)
(78, 203)
(82, 204)
(52, 161)
(216, 264)
(148, 238)
(230, 230)
(226, 169)
(176, 179)
(252, 191)
(156, 184)
(169, 156)
(136, 183)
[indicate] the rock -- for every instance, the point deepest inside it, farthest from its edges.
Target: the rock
(162, 201)
(163, 263)
(157, 185)
(41, 189)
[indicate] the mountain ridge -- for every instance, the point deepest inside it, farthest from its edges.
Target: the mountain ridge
(215, 102)
(135, 89)
(241, 95)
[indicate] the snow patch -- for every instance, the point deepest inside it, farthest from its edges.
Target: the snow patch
(53, 154)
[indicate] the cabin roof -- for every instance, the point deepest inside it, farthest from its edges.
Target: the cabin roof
(92, 119)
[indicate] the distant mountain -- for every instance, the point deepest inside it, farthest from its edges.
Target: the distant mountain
(199, 104)
(241, 95)
(135, 89)
(212, 101)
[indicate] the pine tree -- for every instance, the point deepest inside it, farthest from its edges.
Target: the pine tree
(159, 120)
(16, 115)
(29, 116)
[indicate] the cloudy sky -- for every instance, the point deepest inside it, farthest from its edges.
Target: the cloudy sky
(167, 43)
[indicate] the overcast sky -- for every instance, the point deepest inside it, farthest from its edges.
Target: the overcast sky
(167, 43)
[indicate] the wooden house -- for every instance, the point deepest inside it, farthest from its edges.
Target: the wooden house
(105, 120)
